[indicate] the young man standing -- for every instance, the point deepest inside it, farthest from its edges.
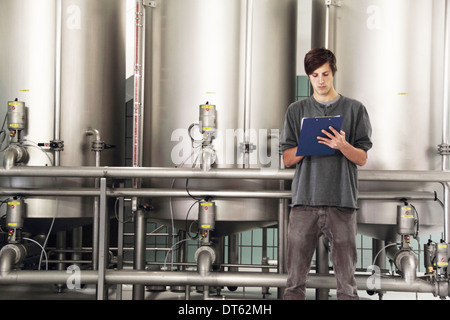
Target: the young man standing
(324, 188)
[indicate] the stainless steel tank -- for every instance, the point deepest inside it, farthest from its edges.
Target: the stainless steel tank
(92, 87)
(390, 57)
(238, 56)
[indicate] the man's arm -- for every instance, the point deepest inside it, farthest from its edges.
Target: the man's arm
(337, 141)
(290, 158)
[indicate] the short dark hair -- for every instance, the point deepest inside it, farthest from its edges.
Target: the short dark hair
(317, 57)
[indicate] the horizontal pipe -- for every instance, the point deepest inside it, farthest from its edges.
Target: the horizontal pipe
(246, 279)
(165, 192)
(178, 173)
(146, 172)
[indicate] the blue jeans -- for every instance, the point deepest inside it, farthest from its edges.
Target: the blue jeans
(306, 225)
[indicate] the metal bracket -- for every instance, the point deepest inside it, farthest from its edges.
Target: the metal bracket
(57, 145)
(336, 3)
(444, 149)
(247, 147)
(98, 145)
(149, 3)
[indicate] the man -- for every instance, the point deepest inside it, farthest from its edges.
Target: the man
(324, 188)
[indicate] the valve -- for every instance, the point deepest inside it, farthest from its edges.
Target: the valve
(15, 153)
(436, 258)
(407, 224)
(429, 250)
(207, 121)
(441, 260)
(16, 119)
(14, 219)
(207, 127)
(206, 218)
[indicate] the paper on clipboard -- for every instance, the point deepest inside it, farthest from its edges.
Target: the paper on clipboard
(311, 128)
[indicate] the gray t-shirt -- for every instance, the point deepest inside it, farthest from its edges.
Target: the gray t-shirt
(327, 180)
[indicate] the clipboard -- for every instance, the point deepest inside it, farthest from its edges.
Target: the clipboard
(311, 128)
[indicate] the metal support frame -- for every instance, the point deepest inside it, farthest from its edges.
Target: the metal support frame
(180, 173)
(104, 276)
(120, 244)
(140, 228)
(248, 279)
(102, 243)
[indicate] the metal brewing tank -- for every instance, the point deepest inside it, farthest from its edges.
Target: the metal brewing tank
(390, 57)
(239, 56)
(92, 88)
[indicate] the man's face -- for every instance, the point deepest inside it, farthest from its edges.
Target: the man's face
(322, 81)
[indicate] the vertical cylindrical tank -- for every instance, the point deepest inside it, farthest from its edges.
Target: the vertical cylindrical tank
(93, 79)
(387, 64)
(27, 67)
(92, 72)
(236, 55)
(92, 87)
(389, 57)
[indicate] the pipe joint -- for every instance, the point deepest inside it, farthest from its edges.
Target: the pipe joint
(14, 154)
(97, 144)
(406, 262)
(442, 289)
(205, 256)
(10, 255)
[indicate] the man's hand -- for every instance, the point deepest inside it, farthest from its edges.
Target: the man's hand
(336, 140)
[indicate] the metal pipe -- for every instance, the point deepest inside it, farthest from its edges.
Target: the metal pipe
(445, 125)
(12, 254)
(9, 256)
(322, 265)
(248, 77)
(98, 139)
(9, 159)
(233, 252)
(57, 118)
(446, 186)
(327, 25)
(164, 193)
(446, 97)
(60, 248)
(404, 260)
(103, 242)
(140, 224)
(138, 86)
(120, 242)
(178, 173)
(96, 217)
(247, 279)
(205, 259)
(77, 243)
(137, 98)
(14, 154)
(407, 263)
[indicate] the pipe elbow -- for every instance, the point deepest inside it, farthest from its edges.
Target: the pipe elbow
(14, 154)
(406, 262)
(205, 257)
(94, 132)
(10, 255)
(9, 159)
(208, 158)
